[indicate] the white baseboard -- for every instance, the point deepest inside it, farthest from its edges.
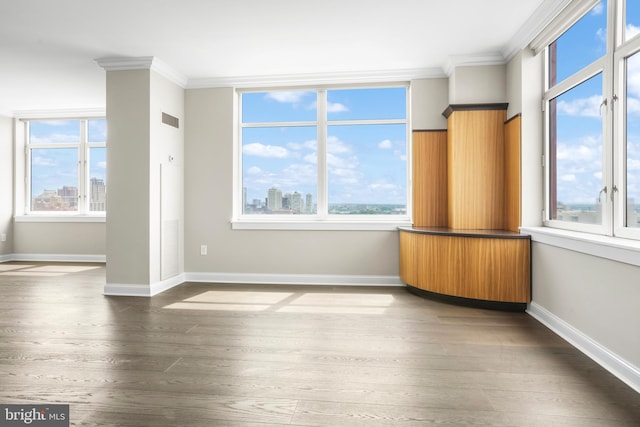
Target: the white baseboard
(294, 279)
(613, 363)
(54, 258)
(142, 290)
(6, 258)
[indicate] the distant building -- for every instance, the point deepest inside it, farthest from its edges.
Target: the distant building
(274, 199)
(98, 200)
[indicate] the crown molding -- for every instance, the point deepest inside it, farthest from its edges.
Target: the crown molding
(143, 63)
(541, 17)
(456, 61)
(344, 77)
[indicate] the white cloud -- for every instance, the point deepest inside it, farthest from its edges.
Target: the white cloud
(633, 106)
(261, 150)
(633, 164)
(336, 107)
(344, 163)
(289, 97)
(43, 161)
(385, 144)
(254, 170)
(568, 178)
(332, 107)
(631, 31)
(382, 186)
(598, 9)
(582, 107)
(102, 165)
(577, 153)
(311, 145)
(335, 146)
(345, 176)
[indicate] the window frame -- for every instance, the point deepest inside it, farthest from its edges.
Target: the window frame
(613, 112)
(321, 220)
(83, 147)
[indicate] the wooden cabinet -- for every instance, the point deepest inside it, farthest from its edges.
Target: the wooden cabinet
(486, 266)
(464, 242)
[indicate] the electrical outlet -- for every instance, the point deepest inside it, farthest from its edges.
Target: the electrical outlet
(203, 249)
(3, 237)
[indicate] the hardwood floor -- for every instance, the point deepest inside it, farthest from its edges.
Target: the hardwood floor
(240, 355)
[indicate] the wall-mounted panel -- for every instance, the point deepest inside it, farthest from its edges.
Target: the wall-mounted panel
(430, 178)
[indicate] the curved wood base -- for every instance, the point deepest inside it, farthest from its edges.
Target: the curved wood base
(467, 265)
(469, 302)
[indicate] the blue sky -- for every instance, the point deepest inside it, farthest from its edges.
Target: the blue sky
(367, 163)
(579, 144)
(54, 168)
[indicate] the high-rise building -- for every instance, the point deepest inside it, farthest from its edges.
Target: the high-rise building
(274, 199)
(308, 204)
(69, 196)
(296, 202)
(98, 201)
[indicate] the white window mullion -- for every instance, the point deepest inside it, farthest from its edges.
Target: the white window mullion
(323, 196)
(82, 169)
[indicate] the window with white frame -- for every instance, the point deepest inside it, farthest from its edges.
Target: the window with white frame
(66, 166)
(323, 153)
(592, 105)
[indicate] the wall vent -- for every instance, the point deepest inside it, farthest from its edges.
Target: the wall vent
(168, 119)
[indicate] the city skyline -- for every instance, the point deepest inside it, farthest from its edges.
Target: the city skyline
(65, 198)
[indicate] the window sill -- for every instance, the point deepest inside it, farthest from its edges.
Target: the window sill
(612, 248)
(60, 218)
(343, 225)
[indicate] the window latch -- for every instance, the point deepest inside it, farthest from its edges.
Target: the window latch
(603, 190)
(613, 191)
(603, 104)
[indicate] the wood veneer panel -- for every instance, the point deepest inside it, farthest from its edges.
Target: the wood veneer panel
(409, 258)
(430, 178)
(512, 179)
(489, 269)
(476, 169)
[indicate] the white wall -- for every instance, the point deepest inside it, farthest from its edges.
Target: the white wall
(6, 184)
(595, 296)
(166, 192)
(59, 241)
(128, 172)
(484, 84)
(429, 98)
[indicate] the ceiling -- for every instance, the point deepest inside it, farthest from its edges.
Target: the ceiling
(48, 49)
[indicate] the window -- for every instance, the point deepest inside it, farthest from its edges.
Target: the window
(66, 164)
(327, 153)
(592, 104)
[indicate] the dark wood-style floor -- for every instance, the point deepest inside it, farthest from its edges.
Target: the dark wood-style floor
(239, 355)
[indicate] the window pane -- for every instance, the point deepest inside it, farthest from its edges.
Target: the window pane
(97, 179)
(576, 153)
(279, 170)
(54, 179)
(367, 104)
(632, 27)
(632, 103)
(54, 131)
(580, 45)
(279, 106)
(367, 169)
(97, 130)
